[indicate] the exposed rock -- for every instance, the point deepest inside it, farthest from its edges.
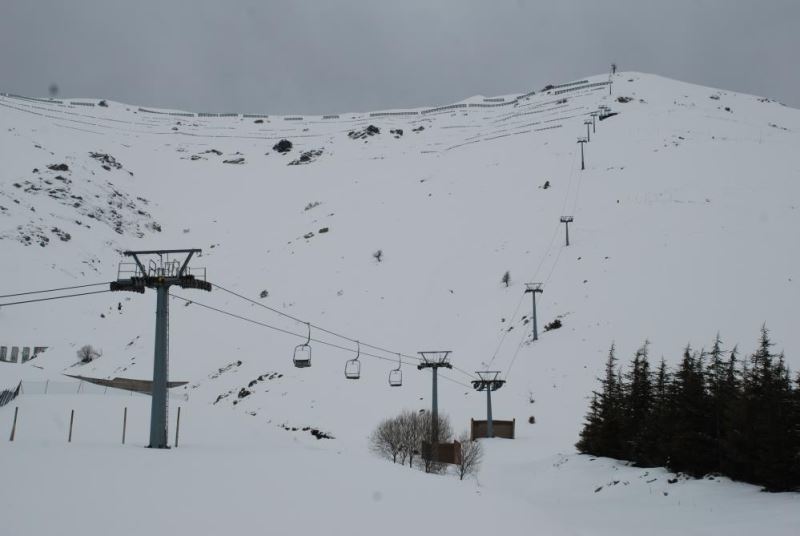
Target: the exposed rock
(365, 132)
(282, 147)
(106, 160)
(306, 157)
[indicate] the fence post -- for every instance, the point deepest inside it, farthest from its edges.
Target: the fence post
(124, 423)
(80, 384)
(178, 427)
(45, 386)
(14, 426)
(71, 420)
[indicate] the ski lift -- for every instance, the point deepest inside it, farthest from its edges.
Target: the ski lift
(302, 352)
(396, 375)
(352, 369)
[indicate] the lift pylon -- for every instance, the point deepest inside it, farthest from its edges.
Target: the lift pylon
(534, 288)
(489, 381)
(164, 268)
(435, 360)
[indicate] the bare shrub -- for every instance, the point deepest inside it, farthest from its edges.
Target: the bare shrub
(387, 439)
(88, 353)
(400, 439)
(471, 456)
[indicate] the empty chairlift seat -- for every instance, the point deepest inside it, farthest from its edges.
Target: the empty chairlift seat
(352, 368)
(396, 375)
(302, 352)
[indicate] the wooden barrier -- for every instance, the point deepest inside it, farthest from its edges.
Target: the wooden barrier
(446, 452)
(504, 429)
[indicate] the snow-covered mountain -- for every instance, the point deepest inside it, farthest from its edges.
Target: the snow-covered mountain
(686, 223)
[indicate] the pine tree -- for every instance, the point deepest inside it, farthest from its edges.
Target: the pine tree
(732, 458)
(716, 375)
(659, 432)
(589, 436)
(691, 447)
(602, 433)
(638, 407)
(710, 415)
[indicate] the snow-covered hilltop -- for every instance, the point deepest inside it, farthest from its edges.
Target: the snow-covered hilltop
(686, 223)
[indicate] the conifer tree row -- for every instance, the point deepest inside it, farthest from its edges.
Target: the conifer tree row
(712, 414)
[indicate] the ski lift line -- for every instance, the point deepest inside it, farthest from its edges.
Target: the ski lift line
(505, 331)
(55, 297)
(555, 263)
(53, 290)
(318, 328)
(514, 358)
(300, 335)
(544, 258)
(324, 330)
(571, 176)
(541, 263)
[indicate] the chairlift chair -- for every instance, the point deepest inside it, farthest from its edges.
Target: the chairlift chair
(352, 368)
(396, 375)
(302, 352)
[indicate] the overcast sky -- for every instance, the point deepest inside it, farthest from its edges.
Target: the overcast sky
(328, 56)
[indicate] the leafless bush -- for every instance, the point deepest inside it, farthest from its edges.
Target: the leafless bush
(471, 456)
(444, 434)
(387, 439)
(400, 438)
(88, 353)
(378, 255)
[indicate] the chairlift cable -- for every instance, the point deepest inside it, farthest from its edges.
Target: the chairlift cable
(55, 297)
(300, 335)
(541, 262)
(324, 330)
(53, 290)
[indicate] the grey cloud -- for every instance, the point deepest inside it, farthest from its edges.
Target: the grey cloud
(342, 55)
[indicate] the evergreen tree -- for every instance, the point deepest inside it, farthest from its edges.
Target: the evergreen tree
(638, 405)
(769, 409)
(589, 436)
(602, 433)
(731, 441)
(660, 429)
(711, 415)
(691, 447)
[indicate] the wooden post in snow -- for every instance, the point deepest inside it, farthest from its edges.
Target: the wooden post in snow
(14, 426)
(124, 423)
(178, 427)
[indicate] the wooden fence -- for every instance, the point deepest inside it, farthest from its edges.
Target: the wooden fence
(504, 429)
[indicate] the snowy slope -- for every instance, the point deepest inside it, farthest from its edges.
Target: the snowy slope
(686, 223)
